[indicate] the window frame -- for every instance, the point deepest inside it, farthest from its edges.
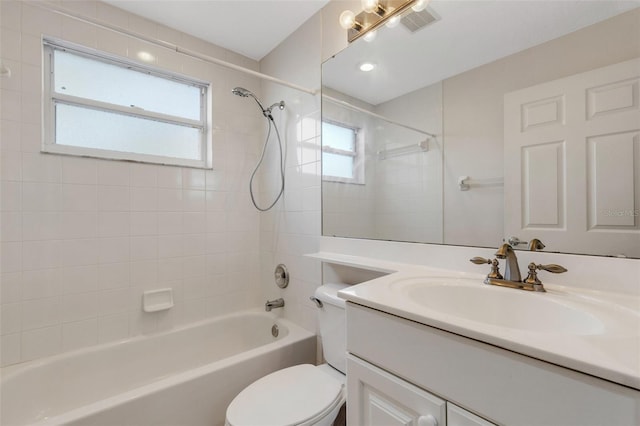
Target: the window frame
(357, 154)
(51, 98)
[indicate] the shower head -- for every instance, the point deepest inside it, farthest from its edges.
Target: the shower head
(241, 91)
(244, 93)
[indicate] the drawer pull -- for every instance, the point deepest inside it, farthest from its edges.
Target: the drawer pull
(427, 420)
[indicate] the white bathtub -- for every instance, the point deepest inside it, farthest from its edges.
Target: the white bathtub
(186, 376)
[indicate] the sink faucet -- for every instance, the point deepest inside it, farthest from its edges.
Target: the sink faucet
(278, 303)
(512, 278)
(512, 270)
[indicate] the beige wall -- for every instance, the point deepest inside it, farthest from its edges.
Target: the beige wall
(473, 118)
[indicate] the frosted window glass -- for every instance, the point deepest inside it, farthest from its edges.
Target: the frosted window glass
(338, 137)
(117, 132)
(336, 165)
(93, 79)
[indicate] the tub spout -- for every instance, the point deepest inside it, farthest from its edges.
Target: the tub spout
(278, 303)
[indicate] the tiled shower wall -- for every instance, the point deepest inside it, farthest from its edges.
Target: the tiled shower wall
(83, 238)
(292, 228)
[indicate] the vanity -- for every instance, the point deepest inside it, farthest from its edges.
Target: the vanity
(430, 346)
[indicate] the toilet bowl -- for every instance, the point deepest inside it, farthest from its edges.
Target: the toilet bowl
(302, 395)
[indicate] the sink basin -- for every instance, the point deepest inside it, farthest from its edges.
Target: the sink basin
(471, 300)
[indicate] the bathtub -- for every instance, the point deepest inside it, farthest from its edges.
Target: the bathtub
(185, 376)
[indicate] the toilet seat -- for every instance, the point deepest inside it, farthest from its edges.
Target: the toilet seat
(298, 395)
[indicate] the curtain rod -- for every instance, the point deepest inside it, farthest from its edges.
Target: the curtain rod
(62, 11)
(373, 114)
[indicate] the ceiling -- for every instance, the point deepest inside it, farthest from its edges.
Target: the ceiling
(252, 28)
(468, 34)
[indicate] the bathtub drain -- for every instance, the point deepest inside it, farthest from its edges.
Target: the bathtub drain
(274, 330)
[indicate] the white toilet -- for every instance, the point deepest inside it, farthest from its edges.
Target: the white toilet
(303, 394)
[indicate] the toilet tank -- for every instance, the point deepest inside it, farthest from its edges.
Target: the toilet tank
(333, 325)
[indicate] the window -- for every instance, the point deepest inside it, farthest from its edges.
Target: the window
(342, 153)
(103, 106)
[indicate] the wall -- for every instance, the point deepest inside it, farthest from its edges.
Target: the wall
(409, 187)
(349, 209)
(291, 229)
(474, 117)
(83, 238)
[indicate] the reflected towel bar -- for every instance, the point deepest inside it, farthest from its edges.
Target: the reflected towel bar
(465, 183)
(422, 146)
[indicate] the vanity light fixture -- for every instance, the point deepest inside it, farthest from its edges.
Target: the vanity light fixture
(376, 13)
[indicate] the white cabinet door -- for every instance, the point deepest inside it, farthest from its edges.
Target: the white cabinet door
(457, 416)
(377, 398)
(572, 155)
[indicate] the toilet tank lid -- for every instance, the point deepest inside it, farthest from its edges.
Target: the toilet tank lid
(328, 293)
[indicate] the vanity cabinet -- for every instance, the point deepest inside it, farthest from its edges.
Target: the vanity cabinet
(378, 398)
(399, 370)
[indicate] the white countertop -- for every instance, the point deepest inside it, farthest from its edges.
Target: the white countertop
(613, 355)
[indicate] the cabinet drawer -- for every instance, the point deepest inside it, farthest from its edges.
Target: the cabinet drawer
(503, 386)
(377, 398)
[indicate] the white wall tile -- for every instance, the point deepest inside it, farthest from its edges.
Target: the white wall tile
(169, 177)
(144, 199)
(41, 342)
(11, 196)
(79, 279)
(10, 44)
(10, 287)
(10, 318)
(170, 200)
(10, 12)
(10, 226)
(36, 21)
(10, 349)
(145, 175)
(11, 165)
(113, 327)
(144, 223)
(10, 136)
(79, 32)
(31, 49)
(144, 248)
(41, 168)
(40, 226)
(78, 225)
(76, 307)
(114, 198)
(79, 198)
(114, 250)
(79, 170)
(40, 313)
(79, 252)
(40, 254)
(41, 196)
(79, 334)
(41, 284)
(113, 224)
(114, 173)
(113, 275)
(170, 223)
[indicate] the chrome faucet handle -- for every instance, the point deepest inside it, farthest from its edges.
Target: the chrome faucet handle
(532, 277)
(495, 268)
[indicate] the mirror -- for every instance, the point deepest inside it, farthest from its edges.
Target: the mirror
(493, 121)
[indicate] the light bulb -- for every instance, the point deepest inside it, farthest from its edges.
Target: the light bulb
(367, 66)
(420, 5)
(347, 19)
(393, 22)
(370, 36)
(369, 5)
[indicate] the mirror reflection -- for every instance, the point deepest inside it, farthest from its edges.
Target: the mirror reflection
(494, 121)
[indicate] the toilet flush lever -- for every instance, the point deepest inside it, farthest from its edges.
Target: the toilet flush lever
(317, 301)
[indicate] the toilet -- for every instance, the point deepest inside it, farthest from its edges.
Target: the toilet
(305, 394)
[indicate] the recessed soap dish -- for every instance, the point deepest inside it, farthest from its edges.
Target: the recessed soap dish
(157, 300)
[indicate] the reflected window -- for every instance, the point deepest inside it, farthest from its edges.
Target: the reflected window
(342, 153)
(109, 107)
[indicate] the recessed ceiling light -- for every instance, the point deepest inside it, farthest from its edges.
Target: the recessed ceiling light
(367, 66)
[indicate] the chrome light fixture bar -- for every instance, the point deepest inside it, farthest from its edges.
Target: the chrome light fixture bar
(376, 13)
